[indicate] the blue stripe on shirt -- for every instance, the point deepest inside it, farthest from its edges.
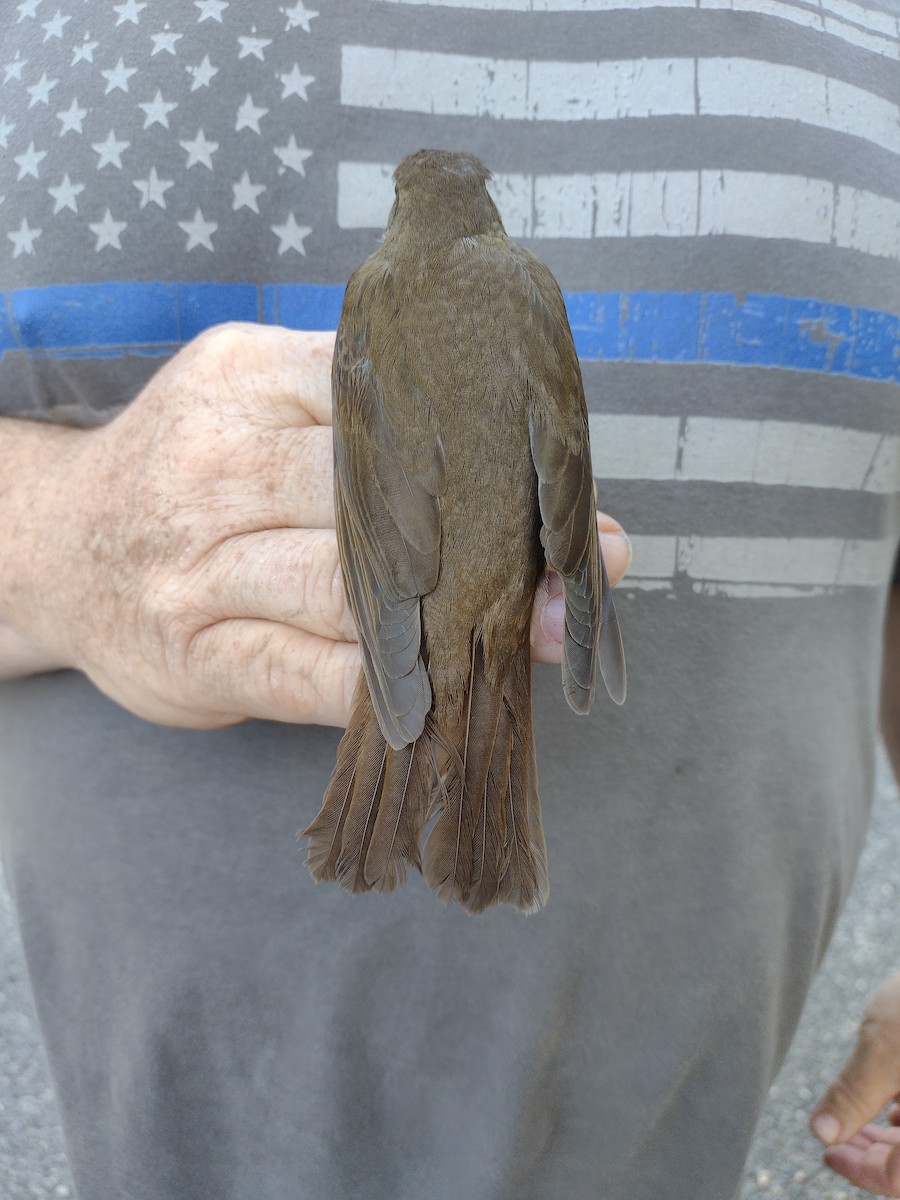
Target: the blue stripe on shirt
(797, 333)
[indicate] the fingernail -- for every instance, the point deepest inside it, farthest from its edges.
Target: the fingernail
(826, 1128)
(553, 614)
(617, 553)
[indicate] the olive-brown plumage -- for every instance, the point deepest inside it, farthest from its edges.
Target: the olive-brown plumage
(462, 462)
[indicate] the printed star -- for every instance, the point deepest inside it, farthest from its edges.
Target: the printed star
(295, 84)
(5, 130)
(14, 69)
(110, 151)
(156, 111)
(254, 46)
(248, 116)
(107, 231)
(23, 239)
(153, 189)
(199, 231)
(210, 10)
(200, 150)
(299, 15)
(54, 27)
(29, 162)
(40, 91)
(64, 195)
(164, 41)
(246, 193)
(118, 77)
(128, 12)
(72, 118)
(28, 9)
(202, 74)
(84, 52)
(293, 156)
(290, 235)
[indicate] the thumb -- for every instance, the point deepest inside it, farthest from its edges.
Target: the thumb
(549, 617)
(871, 1075)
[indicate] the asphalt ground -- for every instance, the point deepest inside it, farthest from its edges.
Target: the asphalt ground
(785, 1160)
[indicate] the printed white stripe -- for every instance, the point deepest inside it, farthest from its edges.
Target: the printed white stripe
(868, 28)
(604, 91)
(659, 204)
(743, 87)
(365, 195)
(869, 18)
(793, 13)
(761, 566)
(655, 558)
(884, 474)
(727, 450)
(520, 89)
(799, 561)
(633, 447)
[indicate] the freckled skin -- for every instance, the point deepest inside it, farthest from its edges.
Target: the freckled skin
(462, 460)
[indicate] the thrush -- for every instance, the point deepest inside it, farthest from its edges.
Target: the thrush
(461, 466)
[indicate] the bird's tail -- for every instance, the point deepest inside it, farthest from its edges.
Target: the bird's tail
(477, 782)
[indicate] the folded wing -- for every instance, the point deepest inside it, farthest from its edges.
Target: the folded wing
(389, 532)
(560, 447)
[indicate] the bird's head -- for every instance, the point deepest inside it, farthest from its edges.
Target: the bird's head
(441, 195)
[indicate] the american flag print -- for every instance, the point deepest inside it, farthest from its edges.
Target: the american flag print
(111, 118)
(716, 184)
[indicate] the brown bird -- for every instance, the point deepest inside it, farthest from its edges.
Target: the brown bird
(460, 450)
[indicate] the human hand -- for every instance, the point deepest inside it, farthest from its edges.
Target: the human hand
(549, 615)
(867, 1155)
(186, 559)
(183, 556)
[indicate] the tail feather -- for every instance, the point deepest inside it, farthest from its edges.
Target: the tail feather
(401, 816)
(524, 882)
(326, 832)
(363, 808)
(450, 852)
(478, 779)
(491, 849)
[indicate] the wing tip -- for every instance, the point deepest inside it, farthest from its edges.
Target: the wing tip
(617, 689)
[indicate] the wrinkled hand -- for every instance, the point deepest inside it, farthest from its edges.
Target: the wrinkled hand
(867, 1155)
(188, 563)
(191, 540)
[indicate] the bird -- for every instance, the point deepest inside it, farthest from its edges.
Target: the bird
(462, 466)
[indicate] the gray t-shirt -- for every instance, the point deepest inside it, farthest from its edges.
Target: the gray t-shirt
(717, 188)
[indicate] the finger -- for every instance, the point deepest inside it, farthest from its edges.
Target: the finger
(856, 1096)
(248, 668)
(880, 1133)
(871, 1075)
(548, 619)
(290, 370)
(549, 614)
(875, 1168)
(305, 367)
(617, 551)
(294, 485)
(865, 1138)
(274, 478)
(289, 576)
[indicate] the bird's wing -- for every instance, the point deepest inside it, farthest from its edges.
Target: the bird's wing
(389, 531)
(560, 447)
